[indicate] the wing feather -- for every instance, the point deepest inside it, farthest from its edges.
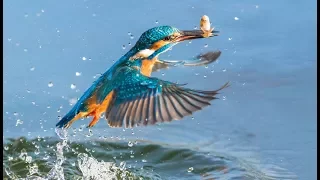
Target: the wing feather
(147, 101)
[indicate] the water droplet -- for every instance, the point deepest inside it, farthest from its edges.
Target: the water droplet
(123, 46)
(206, 66)
(130, 144)
(37, 151)
(26, 15)
(73, 101)
(144, 161)
(84, 58)
(42, 10)
(46, 157)
(157, 22)
(129, 33)
(32, 68)
(190, 169)
(6, 148)
(206, 45)
(162, 74)
(236, 18)
(224, 98)
(50, 84)
(28, 159)
(25, 50)
(33, 169)
(90, 133)
(224, 70)
(129, 44)
(94, 15)
(97, 75)
(257, 6)
(73, 86)
(212, 71)
(78, 73)
(19, 122)
(10, 158)
(9, 39)
(23, 154)
(195, 27)
(229, 38)
(205, 76)
(122, 165)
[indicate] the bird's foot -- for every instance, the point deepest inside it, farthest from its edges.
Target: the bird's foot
(93, 122)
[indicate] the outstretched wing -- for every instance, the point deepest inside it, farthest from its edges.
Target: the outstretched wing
(201, 59)
(150, 100)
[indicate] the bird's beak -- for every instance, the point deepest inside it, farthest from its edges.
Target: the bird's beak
(194, 34)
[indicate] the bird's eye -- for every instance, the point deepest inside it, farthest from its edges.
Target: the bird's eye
(168, 38)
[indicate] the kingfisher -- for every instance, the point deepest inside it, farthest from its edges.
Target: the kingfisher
(130, 97)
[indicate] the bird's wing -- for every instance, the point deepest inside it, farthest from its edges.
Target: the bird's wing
(201, 59)
(146, 101)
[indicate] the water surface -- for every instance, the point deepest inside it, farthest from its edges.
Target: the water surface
(262, 127)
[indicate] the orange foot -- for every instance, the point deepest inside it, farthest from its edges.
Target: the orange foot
(78, 116)
(94, 121)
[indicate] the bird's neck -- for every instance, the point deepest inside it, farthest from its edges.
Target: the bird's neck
(122, 60)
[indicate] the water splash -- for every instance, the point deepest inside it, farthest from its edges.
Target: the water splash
(57, 171)
(62, 133)
(91, 168)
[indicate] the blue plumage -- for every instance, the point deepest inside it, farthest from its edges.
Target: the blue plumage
(134, 97)
(141, 100)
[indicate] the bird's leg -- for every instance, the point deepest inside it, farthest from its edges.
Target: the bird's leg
(80, 115)
(94, 121)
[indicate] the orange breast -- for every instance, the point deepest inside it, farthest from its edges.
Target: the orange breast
(95, 109)
(105, 104)
(146, 67)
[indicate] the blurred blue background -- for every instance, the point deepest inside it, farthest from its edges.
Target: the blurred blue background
(267, 117)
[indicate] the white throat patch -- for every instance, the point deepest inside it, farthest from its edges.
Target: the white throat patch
(142, 54)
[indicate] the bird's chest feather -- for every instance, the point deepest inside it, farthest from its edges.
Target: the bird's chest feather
(147, 65)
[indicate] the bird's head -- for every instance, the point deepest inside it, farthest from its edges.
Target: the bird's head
(160, 39)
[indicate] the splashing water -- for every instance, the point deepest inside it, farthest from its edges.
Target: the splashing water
(93, 169)
(63, 159)
(57, 171)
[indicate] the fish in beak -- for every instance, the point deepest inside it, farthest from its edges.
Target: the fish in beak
(194, 34)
